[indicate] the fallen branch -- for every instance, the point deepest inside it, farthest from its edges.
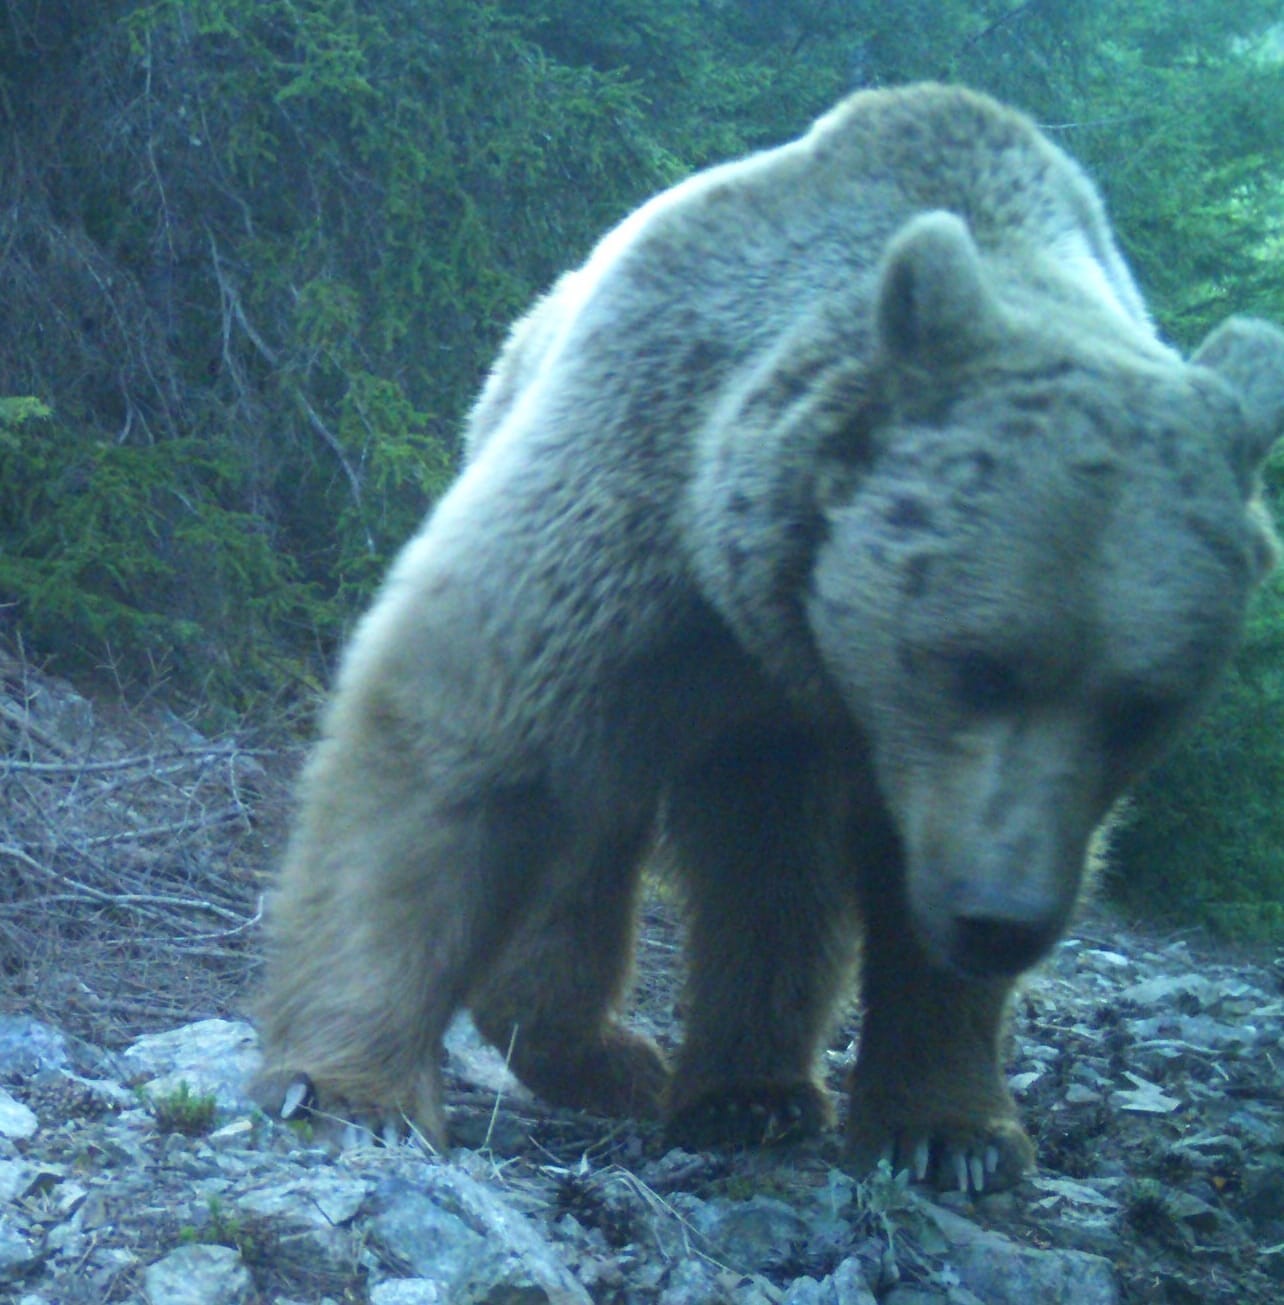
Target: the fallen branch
(152, 760)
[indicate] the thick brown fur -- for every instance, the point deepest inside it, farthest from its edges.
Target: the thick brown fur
(843, 522)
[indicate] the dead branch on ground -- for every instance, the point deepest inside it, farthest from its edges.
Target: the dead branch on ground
(131, 867)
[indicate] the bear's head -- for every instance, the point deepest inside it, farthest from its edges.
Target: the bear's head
(1038, 574)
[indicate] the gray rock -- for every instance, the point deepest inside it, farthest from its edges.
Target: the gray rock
(845, 1286)
(413, 1230)
(213, 1057)
(520, 1265)
(473, 1059)
(694, 1282)
(753, 1235)
(16, 1177)
(16, 1120)
(18, 1252)
(452, 1231)
(1002, 1273)
(198, 1275)
(408, 1291)
(1194, 989)
(946, 1295)
(1263, 1199)
(27, 1046)
(322, 1196)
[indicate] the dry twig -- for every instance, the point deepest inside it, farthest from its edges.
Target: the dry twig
(130, 869)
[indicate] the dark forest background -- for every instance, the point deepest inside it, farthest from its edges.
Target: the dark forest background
(256, 256)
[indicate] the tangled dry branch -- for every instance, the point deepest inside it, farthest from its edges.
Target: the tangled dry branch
(131, 860)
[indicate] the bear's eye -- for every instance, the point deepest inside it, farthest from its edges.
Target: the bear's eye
(1134, 720)
(983, 683)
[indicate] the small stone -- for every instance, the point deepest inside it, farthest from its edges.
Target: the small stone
(198, 1275)
(1197, 1214)
(16, 1120)
(18, 1254)
(1115, 960)
(212, 1057)
(407, 1291)
(27, 1046)
(1144, 1097)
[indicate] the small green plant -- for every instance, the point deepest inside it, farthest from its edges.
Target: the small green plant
(223, 1228)
(16, 409)
(882, 1193)
(183, 1111)
(880, 1205)
(1148, 1209)
(303, 1128)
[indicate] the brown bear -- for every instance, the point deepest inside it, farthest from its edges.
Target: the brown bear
(841, 522)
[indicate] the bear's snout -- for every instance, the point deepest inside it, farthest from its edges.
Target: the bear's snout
(985, 946)
(995, 834)
(990, 918)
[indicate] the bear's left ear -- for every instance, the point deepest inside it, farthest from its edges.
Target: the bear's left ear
(1248, 354)
(934, 307)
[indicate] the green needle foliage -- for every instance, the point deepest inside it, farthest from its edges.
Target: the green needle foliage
(258, 254)
(258, 292)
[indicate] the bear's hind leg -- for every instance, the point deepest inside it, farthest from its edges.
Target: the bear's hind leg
(551, 993)
(754, 827)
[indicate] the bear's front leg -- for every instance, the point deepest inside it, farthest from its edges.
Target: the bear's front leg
(927, 1092)
(755, 833)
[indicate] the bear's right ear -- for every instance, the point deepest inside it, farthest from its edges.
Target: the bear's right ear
(1248, 354)
(933, 305)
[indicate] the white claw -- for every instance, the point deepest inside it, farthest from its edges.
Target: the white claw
(390, 1131)
(977, 1167)
(888, 1154)
(991, 1159)
(352, 1136)
(960, 1171)
(296, 1096)
(922, 1157)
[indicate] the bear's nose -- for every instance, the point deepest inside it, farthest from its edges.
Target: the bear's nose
(987, 946)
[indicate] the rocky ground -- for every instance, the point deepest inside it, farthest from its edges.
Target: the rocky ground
(132, 1169)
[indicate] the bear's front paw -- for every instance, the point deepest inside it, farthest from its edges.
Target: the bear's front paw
(967, 1155)
(335, 1123)
(753, 1113)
